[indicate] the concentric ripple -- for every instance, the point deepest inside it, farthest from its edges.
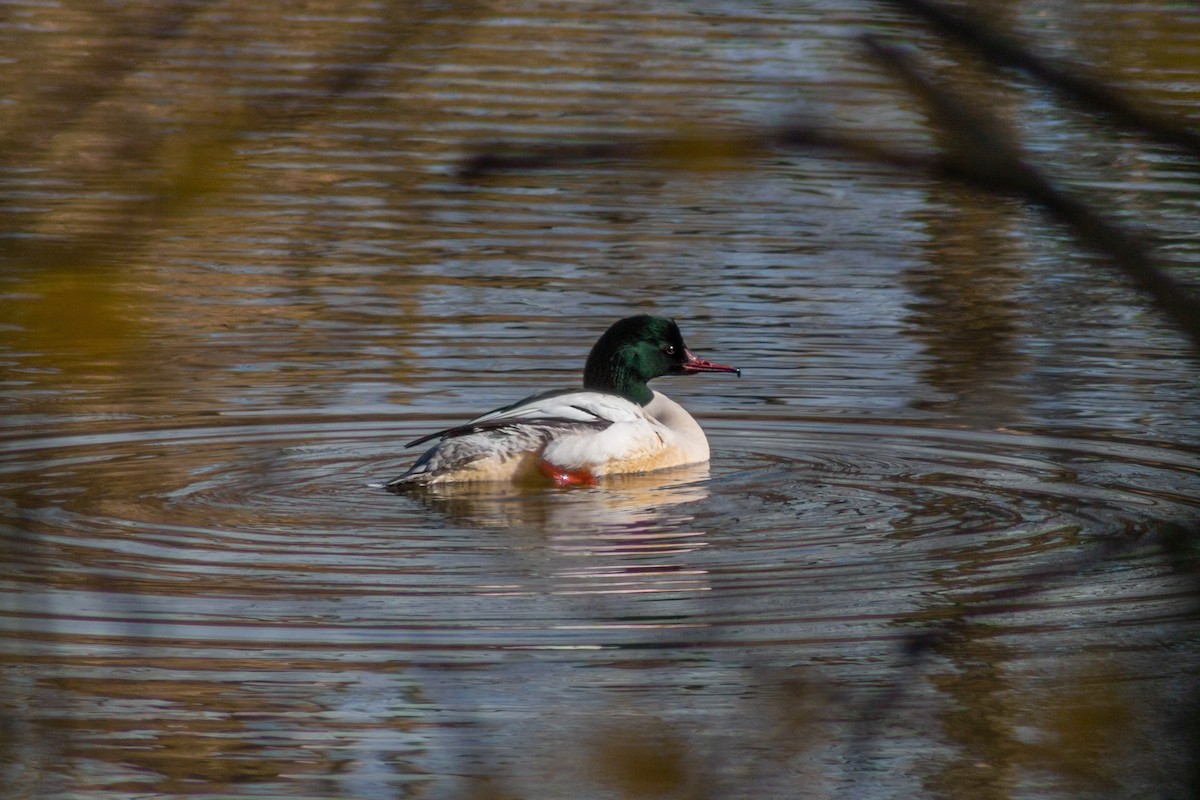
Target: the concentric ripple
(241, 580)
(814, 519)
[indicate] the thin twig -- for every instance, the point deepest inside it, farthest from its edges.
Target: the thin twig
(1070, 81)
(1002, 171)
(991, 160)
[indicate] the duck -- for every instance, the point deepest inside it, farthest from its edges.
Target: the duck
(615, 424)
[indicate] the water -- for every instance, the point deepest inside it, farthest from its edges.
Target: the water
(951, 420)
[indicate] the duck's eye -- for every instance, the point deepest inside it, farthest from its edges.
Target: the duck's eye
(669, 349)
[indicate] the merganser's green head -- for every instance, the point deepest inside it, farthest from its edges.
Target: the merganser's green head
(636, 350)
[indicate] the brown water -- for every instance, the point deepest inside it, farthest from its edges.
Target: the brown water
(204, 594)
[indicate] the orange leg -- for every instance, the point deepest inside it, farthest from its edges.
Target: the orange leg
(560, 476)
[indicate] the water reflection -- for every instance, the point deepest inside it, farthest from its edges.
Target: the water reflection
(622, 502)
(965, 314)
(239, 275)
(295, 614)
(167, 723)
(977, 719)
(631, 534)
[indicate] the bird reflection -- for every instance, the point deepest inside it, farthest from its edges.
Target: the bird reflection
(629, 535)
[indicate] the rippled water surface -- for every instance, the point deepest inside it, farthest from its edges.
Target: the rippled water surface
(953, 421)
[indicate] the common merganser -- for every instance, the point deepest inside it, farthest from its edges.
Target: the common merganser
(616, 424)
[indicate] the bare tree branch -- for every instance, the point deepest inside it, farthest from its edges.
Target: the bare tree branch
(990, 160)
(1072, 82)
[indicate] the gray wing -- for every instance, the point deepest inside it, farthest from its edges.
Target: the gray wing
(515, 431)
(468, 444)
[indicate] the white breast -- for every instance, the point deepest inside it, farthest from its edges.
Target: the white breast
(688, 436)
(662, 435)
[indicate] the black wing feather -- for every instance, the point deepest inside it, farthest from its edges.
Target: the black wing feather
(491, 425)
(499, 424)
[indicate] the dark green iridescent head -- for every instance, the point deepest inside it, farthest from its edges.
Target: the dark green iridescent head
(636, 350)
